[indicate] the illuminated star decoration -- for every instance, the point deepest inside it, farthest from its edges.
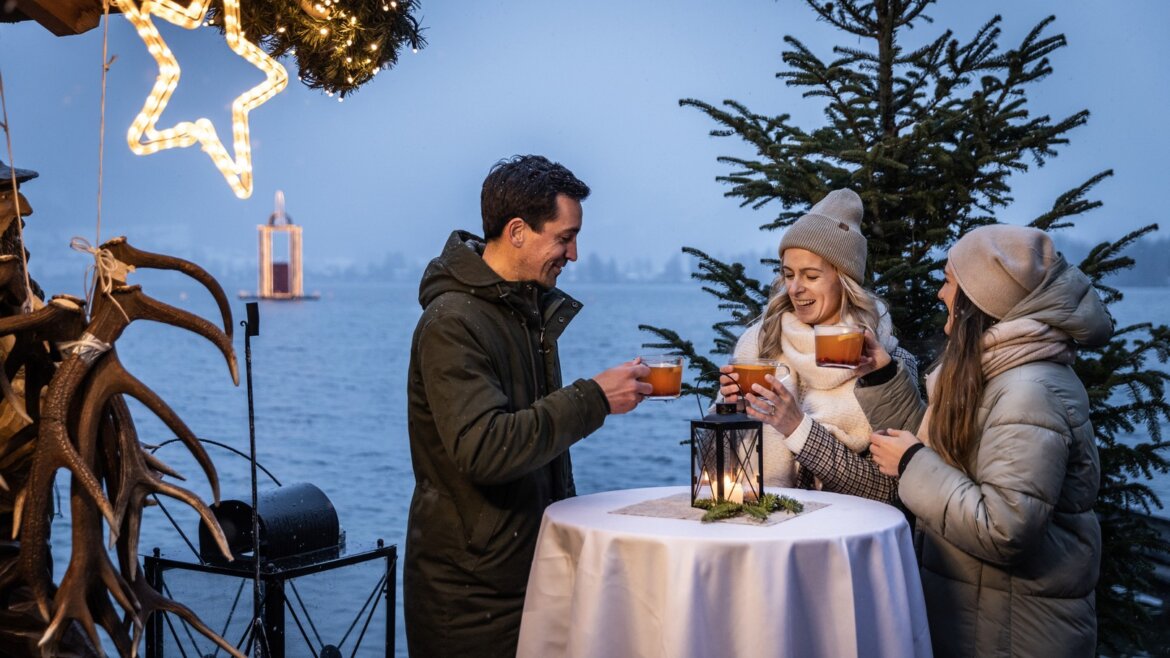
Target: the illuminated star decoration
(145, 138)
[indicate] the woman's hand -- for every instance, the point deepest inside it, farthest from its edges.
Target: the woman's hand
(780, 409)
(728, 384)
(887, 448)
(873, 355)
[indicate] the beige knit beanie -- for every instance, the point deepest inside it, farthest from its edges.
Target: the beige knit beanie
(832, 230)
(997, 266)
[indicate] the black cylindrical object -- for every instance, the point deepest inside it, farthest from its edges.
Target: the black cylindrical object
(294, 519)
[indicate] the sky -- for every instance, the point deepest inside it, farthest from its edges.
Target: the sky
(595, 85)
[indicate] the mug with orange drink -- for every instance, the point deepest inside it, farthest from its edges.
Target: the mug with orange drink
(838, 345)
(753, 371)
(665, 376)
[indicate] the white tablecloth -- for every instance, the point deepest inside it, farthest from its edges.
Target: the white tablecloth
(840, 581)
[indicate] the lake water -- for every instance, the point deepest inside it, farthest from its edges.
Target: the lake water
(329, 381)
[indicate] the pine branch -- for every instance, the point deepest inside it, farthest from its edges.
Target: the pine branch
(1070, 204)
(761, 510)
(845, 15)
(338, 48)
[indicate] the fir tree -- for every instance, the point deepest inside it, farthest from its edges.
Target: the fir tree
(931, 138)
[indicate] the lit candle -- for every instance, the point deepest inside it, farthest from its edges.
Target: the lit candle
(734, 491)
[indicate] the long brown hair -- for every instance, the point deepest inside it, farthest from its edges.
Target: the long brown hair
(954, 404)
(858, 306)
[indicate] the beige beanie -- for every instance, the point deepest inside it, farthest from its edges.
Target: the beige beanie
(997, 266)
(832, 230)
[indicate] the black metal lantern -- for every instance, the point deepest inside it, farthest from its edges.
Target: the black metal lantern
(727, 456)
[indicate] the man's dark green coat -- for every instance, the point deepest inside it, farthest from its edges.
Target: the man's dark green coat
(490, 430)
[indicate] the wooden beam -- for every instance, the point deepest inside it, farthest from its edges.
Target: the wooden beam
(63, 17)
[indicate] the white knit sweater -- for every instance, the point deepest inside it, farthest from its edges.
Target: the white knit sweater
(825, 395)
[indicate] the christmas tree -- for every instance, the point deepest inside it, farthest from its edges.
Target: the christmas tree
(931, 139)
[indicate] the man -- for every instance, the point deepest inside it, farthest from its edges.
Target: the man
(490, 424)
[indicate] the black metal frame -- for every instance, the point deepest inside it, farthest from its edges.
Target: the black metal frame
(273, 575)
(725, 427)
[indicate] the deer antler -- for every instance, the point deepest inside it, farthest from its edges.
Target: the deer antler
(129, 255)
(82, 423)
(136, 480)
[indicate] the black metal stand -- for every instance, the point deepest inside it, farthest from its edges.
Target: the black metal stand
(277, 601)
(258, 635)
(286, 620)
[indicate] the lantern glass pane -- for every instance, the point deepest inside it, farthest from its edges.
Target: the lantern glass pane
(727, 462)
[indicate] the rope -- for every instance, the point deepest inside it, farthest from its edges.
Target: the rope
(87, 348)
(106, 62)
(106, 269)
(26, 307)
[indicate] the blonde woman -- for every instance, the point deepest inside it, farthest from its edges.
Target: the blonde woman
(816, 433)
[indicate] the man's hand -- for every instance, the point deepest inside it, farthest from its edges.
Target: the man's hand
(621, 386)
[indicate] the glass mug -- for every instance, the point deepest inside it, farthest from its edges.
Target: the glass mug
(838, 345)
(753, 371)
(665, 376)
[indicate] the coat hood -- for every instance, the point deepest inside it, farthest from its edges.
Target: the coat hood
(1066, 300)
(459, 267)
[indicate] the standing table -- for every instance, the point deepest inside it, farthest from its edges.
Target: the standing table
(837, 581)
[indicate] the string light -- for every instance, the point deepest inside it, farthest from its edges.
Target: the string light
(145, 138)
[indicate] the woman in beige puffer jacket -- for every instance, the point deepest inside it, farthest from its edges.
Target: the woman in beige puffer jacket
(1005, 476)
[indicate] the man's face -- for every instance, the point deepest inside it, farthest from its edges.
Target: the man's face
(545, 253)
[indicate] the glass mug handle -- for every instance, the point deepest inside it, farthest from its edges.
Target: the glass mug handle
(782, 374)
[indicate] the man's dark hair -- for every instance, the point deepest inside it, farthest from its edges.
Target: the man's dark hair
(525, 186)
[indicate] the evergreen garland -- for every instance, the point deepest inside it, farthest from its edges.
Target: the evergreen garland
(338, 45)
(930, 138)
(768, 503)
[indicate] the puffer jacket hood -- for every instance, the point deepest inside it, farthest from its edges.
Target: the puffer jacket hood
(1066, 300)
